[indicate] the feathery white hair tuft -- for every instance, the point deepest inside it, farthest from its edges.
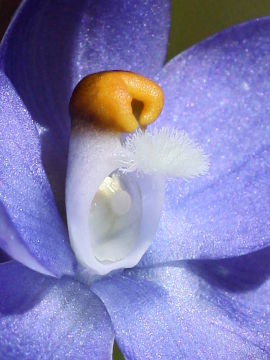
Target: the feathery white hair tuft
(166, 152)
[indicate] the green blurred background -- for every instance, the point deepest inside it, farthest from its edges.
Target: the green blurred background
(192, 21)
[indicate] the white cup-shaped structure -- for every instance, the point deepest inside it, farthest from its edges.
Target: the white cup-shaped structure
(112, 217)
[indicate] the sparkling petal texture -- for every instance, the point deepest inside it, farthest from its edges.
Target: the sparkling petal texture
(218, 92)
(54, 319)
(215, 309)
(11, 243)
(52, 44)
(30, 221)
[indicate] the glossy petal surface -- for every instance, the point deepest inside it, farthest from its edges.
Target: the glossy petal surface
(141, 316)
(51, 319)
(193, 310)
(29, 219)
(218, 92)
(52, 44)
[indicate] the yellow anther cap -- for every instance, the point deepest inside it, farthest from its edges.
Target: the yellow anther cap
(117, 100)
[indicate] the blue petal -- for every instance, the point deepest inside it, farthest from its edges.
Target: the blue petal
(52, 44)
(219, 93)
(215, 309)
(50, 319)
(30, 224)
(142, 318)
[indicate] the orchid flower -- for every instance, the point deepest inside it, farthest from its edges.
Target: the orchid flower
(201, 290)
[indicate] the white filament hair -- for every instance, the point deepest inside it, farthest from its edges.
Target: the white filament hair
(166, 152)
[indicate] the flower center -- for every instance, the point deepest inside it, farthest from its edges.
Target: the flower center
(115, 189)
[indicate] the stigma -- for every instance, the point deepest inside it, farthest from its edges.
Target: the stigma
(117, 101)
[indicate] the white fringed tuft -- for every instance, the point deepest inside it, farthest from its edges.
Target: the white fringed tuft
(165, 152)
